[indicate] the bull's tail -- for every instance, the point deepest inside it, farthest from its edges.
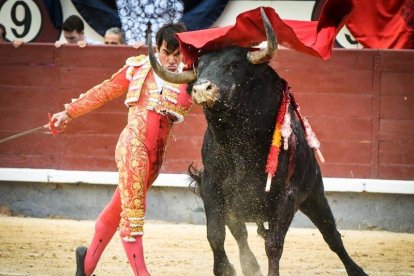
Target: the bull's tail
(196, 175)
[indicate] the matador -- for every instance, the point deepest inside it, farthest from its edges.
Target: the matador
(153, 107)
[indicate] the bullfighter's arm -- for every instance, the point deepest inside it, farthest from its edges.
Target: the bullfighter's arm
(99, 95)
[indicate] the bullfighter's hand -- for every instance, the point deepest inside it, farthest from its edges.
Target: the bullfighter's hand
(61, 119)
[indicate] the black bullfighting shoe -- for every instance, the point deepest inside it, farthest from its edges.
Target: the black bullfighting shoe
(80, 259)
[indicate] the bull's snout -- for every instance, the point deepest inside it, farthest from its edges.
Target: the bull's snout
(205, 91)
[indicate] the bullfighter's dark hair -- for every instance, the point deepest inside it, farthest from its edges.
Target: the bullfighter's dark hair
(73, 23)
(167, 33)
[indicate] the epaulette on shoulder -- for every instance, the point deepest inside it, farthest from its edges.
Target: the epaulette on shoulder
(136, 60)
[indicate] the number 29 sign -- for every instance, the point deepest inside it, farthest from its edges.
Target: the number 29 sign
(22, 19)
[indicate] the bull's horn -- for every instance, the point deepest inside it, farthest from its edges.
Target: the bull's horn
(183, 77)
(262, 56)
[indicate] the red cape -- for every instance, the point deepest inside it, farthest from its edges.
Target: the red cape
(315, 38)
(383, 24)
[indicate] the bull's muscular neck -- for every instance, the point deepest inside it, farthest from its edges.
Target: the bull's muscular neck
(251, 115)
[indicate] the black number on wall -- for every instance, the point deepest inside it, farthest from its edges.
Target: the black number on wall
(25, 22)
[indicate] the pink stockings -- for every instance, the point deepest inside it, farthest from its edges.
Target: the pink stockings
(105, 228)
(135, 253)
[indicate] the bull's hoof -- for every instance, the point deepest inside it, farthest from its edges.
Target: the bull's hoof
(249, 265)
(357, 272)
(80, 260)
(227, 270)
(352, 269)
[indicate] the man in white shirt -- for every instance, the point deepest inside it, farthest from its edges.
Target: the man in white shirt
(74, 32)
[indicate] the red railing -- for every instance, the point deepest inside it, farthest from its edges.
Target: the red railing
(360, 104)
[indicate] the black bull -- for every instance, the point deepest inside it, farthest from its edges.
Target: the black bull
(240, 101)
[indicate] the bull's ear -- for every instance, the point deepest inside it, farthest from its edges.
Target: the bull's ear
(262, 56)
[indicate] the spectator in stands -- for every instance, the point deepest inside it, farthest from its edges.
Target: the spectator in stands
(2, 33)
(114, 36)
(154, 105)
(74, 32)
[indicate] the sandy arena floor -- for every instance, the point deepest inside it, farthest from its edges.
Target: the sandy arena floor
(30, 246)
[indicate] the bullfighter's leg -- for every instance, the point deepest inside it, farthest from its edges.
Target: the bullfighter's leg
(278, 227)
(247, 259)
(316, 207)
(105, 228)
(216, 230)
(133, 166)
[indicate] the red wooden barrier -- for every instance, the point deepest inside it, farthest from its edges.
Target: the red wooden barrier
(360, 104)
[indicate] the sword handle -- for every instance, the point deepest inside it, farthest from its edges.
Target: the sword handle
(52, 127)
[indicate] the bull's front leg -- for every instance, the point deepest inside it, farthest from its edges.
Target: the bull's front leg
(216, 234)
(216, 229)
(284, 210)
(249, 264)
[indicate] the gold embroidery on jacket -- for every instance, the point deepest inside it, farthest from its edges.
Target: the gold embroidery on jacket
(98, 95)
(133, 166)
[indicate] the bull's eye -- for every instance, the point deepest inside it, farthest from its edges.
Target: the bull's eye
(232, 66)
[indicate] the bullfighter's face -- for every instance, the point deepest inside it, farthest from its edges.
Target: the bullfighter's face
(169, 59)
